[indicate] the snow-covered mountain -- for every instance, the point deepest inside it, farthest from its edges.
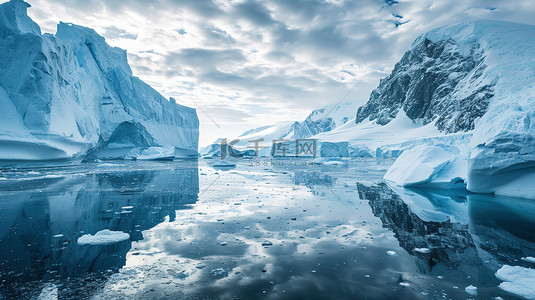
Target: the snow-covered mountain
(66, 95)
(469, 85)
(318, 121)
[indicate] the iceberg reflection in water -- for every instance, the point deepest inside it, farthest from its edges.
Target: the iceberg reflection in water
(42, 216)
(284, 231)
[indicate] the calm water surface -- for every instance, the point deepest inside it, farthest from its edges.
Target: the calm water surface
(286, 230)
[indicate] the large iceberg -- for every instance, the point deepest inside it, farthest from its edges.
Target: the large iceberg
(66, 95)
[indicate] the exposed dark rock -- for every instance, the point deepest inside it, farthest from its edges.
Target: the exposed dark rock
(426, 82)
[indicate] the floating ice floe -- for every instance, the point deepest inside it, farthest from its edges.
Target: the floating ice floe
(529, 259)
(472, 290)
(103, 237)
(517, 280)
(422, 250)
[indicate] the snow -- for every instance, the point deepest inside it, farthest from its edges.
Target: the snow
(103, 237)
(517, 280)
(86, 96)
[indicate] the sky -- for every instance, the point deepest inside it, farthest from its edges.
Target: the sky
(248, 63)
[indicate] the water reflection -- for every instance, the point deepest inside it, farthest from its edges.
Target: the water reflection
(41, 218)
(464, 235)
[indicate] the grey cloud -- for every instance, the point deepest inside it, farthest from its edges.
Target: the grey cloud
(199, 58)
(113, 32)
(254, 12)
(214, 36)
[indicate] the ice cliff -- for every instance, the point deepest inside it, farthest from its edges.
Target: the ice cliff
(68, 95)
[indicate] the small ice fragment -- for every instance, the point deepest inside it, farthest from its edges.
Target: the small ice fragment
(422, 250)
(391, 253)
(529, 259)
(472, 290)
(404, 283)
(223, 244)
(127, 207)
(58, 235)
(103, 237)
(367, 276)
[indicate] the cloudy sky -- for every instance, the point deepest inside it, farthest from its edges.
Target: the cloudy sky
(247, 63)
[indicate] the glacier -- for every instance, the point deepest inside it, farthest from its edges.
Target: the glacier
(70, 96)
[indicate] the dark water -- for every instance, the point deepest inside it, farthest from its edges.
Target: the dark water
(274, 231)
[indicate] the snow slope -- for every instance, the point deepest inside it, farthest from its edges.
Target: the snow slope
(68, 94)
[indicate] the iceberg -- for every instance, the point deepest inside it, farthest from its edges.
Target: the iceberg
(517, 280)
(435, 166)
(71, 95)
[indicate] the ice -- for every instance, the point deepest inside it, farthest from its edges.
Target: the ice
(472, 290)
(517, 280)
(152, 153)
(103, 237)
(49, 292)
(86, 98)
(422, 250)
(391, 253)
(529, 259)
(329, 149)
(419, 165)
(334, 163)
